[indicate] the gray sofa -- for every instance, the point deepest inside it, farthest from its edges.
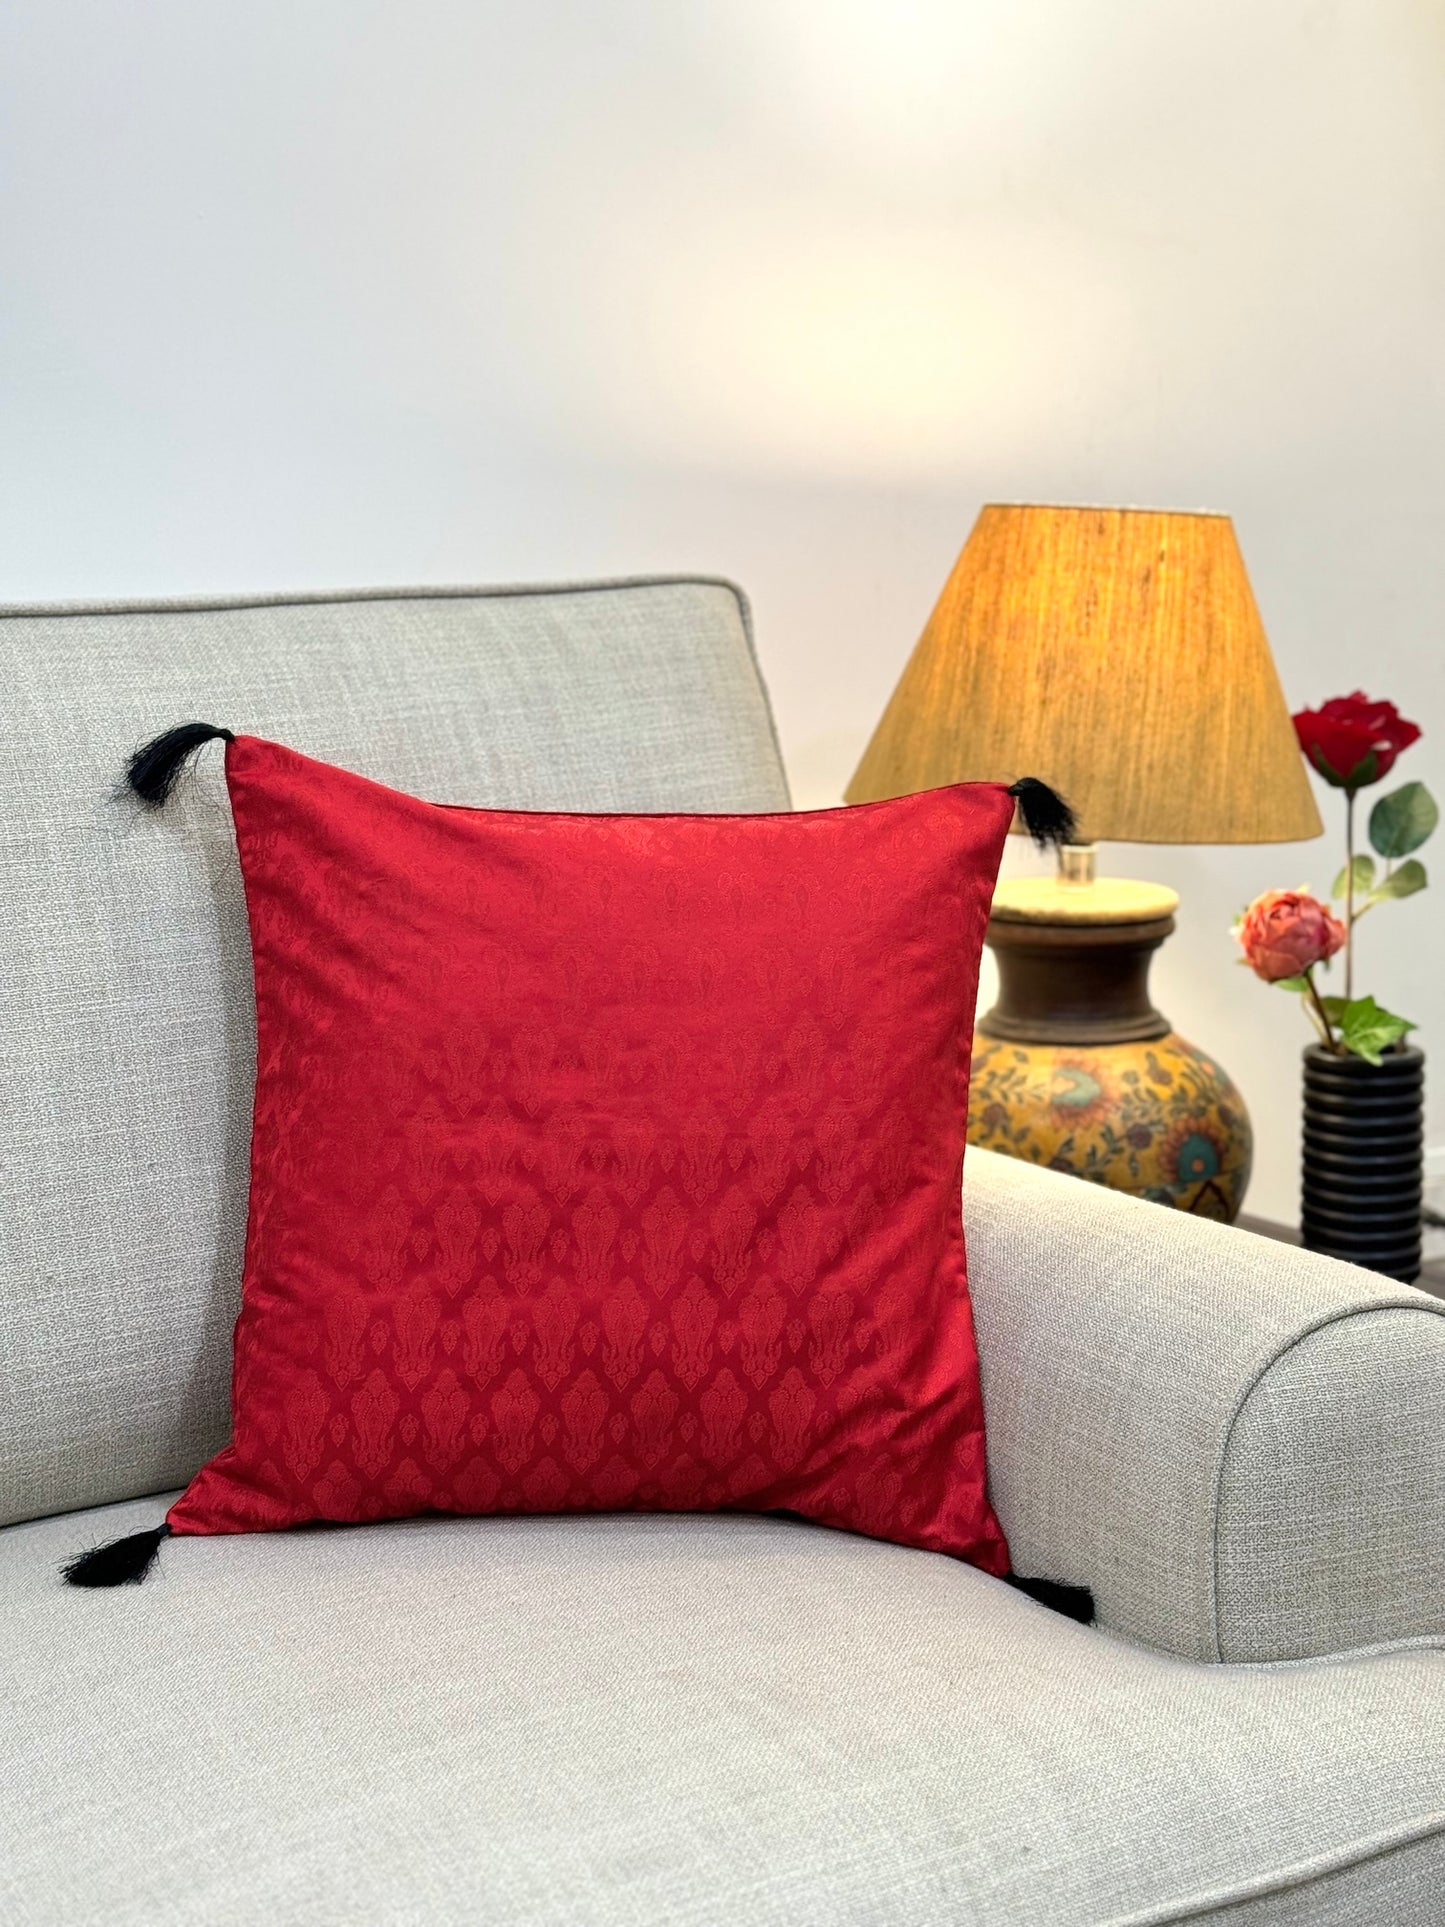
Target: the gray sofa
(562, 1722)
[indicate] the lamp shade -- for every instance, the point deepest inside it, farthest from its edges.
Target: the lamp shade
(1116, 653)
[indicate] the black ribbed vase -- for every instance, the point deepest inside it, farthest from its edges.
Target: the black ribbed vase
(1364, 1158)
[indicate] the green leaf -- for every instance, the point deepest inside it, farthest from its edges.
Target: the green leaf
(1367, 1030)
(1403, 882)
(1401, 821)
(1334, 1008)
(1298, 984)
(1364, 869)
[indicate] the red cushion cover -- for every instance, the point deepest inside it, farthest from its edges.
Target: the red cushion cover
(607, 1161)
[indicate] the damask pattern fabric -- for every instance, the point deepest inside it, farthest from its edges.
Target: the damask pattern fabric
(607, 1162)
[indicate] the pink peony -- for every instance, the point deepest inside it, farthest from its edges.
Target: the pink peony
(1284, 932)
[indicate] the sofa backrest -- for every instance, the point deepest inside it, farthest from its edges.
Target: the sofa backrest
(126, 1019)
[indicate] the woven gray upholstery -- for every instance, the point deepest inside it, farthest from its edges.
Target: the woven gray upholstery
(698, 1721)
(1331, 1524)
(126, 1041)
(1236, 1444)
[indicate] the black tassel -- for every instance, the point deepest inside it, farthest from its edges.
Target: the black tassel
(151, 773)
(1074, 1602)
(1047, 817)
(124, 1562)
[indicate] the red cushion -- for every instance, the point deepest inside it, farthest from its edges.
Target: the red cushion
(607, 1161)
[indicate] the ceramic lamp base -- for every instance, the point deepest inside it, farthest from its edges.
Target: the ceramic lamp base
(1075, 1069)
(1159, 1119)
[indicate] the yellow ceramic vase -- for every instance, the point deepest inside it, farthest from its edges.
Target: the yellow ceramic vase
(1160, 1119)
(1075, 1069)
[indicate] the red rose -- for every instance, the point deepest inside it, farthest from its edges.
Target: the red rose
(1284, 932)
(1352, 741)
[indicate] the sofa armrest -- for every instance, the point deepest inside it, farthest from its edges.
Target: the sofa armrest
(1237, 1445)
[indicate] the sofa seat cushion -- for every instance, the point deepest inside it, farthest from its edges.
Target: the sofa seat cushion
(680, 1719)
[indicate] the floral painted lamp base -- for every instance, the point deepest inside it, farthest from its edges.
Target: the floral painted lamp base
(1075, 1069)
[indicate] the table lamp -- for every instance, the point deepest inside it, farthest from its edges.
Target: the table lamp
(1118, 654)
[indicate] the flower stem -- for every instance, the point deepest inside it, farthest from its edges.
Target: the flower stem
(1321, 1014)
(1349, 897)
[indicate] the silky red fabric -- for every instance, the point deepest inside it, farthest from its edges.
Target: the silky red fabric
(607, 1162)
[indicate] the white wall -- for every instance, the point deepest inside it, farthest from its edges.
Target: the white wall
(316, 292)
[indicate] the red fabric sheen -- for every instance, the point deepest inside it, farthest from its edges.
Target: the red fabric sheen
(607, 1162)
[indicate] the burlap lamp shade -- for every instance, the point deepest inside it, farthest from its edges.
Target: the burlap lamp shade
(1119, 655)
